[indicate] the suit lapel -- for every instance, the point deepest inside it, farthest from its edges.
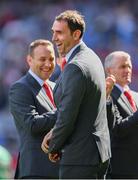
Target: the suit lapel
(121, 99)
(76, 50)
(40, 93)
(124, 100)
(44, 100)
(135, 95)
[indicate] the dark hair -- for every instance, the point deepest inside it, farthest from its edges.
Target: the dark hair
(74, 20)
(36, 43)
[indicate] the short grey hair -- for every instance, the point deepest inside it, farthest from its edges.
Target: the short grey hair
(110, 59)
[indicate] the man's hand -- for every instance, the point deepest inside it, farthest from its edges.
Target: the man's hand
(54, 157)
(46, 140)
(110, 81)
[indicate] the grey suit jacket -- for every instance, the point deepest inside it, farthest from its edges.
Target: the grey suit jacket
(124, 134)
(81, 130)
(28, 105)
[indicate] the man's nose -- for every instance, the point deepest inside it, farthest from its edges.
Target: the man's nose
(128, 69)
(48, 64)
(54, 37)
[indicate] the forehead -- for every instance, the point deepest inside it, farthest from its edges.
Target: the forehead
(60, 25)
(43, 49)
(121, 61)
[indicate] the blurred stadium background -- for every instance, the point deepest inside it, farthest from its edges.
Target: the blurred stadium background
(110, 25)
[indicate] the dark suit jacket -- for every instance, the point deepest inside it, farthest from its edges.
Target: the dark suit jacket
(124, 134)
(29, 104)
(81, 131)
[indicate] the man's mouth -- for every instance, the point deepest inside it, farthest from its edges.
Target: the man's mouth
(58, 45)
(46, 70)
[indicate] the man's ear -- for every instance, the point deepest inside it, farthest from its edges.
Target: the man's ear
(29, 60)
(77, 34)
(108, 71)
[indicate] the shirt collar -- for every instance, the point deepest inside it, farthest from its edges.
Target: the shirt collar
(121, 88)
(71, 51)
(37, 78)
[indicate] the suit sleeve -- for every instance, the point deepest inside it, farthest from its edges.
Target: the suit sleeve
(73, 89)
(23, 108)
(119, 125)
(110, 114)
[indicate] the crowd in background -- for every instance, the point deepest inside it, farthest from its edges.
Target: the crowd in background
(110, 26)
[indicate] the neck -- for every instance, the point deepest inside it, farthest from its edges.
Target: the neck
(123, 87)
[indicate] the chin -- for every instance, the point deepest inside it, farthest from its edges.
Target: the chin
(128, 82)
(45, 78)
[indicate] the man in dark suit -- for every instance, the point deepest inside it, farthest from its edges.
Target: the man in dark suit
(80, 134)
(124, 125)
(29, 103)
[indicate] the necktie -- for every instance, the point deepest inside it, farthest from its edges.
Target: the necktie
(130, 99)
(49, 92)
(63, 63)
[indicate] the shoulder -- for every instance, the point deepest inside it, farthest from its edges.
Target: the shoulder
(19, 82)
(20, 86)
(86, 53)
(135, 95)
(116, 92)
(87, 59)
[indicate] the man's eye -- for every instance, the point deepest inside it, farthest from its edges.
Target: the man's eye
(51, 59)
(42, 60)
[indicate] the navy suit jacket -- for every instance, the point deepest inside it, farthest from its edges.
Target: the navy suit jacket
(29, 104)
(81, 130)
(124, 134)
